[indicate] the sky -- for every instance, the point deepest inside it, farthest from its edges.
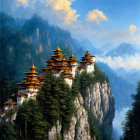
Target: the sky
(100, 21)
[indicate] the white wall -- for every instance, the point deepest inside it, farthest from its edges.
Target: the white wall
(89, 68)
(20, 100)
(74, 68)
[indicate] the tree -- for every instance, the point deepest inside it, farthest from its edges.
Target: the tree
(30, 122)
(56, 100)
(131, 126)
(7, 131)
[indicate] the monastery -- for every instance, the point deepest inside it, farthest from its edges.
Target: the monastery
(58, 65)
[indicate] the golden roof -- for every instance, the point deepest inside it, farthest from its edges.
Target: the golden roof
(33, 66)
(58, 49)
(72, 56)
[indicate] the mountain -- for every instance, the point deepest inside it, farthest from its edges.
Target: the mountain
(121, 88)
(131, 76)
(86, 44)
(123, 50)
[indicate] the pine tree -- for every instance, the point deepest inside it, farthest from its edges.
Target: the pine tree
(48, 99)
(30, 122)
(131, 127)
(7, 131)
(55, 98)
(75, 87)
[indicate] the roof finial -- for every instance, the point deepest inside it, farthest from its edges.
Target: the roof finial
(33, 66)
(58, 47)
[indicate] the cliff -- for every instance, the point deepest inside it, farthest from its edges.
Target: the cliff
(100, 102)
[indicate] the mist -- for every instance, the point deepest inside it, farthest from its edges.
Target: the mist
(117, 122)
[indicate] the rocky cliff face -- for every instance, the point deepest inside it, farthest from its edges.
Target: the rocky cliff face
(100, 101)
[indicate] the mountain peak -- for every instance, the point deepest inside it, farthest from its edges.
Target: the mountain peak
(124, 49)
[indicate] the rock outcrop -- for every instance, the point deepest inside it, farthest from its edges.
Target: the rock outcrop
(79, 127)
(100, 101)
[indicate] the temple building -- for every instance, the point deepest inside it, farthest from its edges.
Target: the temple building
(29, 87)
(87, 63)
(58, 65)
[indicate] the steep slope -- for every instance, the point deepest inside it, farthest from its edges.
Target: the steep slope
(100, 102)
(95, 108)
(120, 87)
(45, 37)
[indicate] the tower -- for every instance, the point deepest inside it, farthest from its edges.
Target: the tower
(59, 64)
(30, 86)
(73, 63)
(87, 63)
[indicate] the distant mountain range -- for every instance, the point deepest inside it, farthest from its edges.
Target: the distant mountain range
(123, 50)
(132, 76)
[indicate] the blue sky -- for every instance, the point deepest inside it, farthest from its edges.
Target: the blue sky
(121, 13)
(100, 21)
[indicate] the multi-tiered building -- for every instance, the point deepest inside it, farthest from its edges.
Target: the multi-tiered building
(58, 65)
(29, 87)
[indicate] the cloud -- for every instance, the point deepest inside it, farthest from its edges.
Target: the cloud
(119, 118)
(132, 28)
(128, 63)
(96, 16)
(64, 8)
(61, 13)
(23, 1)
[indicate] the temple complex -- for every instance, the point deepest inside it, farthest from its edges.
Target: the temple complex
(58, 65)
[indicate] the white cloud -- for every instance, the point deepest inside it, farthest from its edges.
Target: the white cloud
(61, 13)
(132, 28)
(129, 35)
(128, 63)
(23, 1)
(96, 16)
(64, 8)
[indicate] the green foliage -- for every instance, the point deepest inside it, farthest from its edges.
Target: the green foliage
(56, 101)
(7, 131)
(58, 137)
(30, 122)
(131, 126)
(97, 129)
(9, 114)
(99, 76)
(75, 88)
(94, 131)
(85, 80)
